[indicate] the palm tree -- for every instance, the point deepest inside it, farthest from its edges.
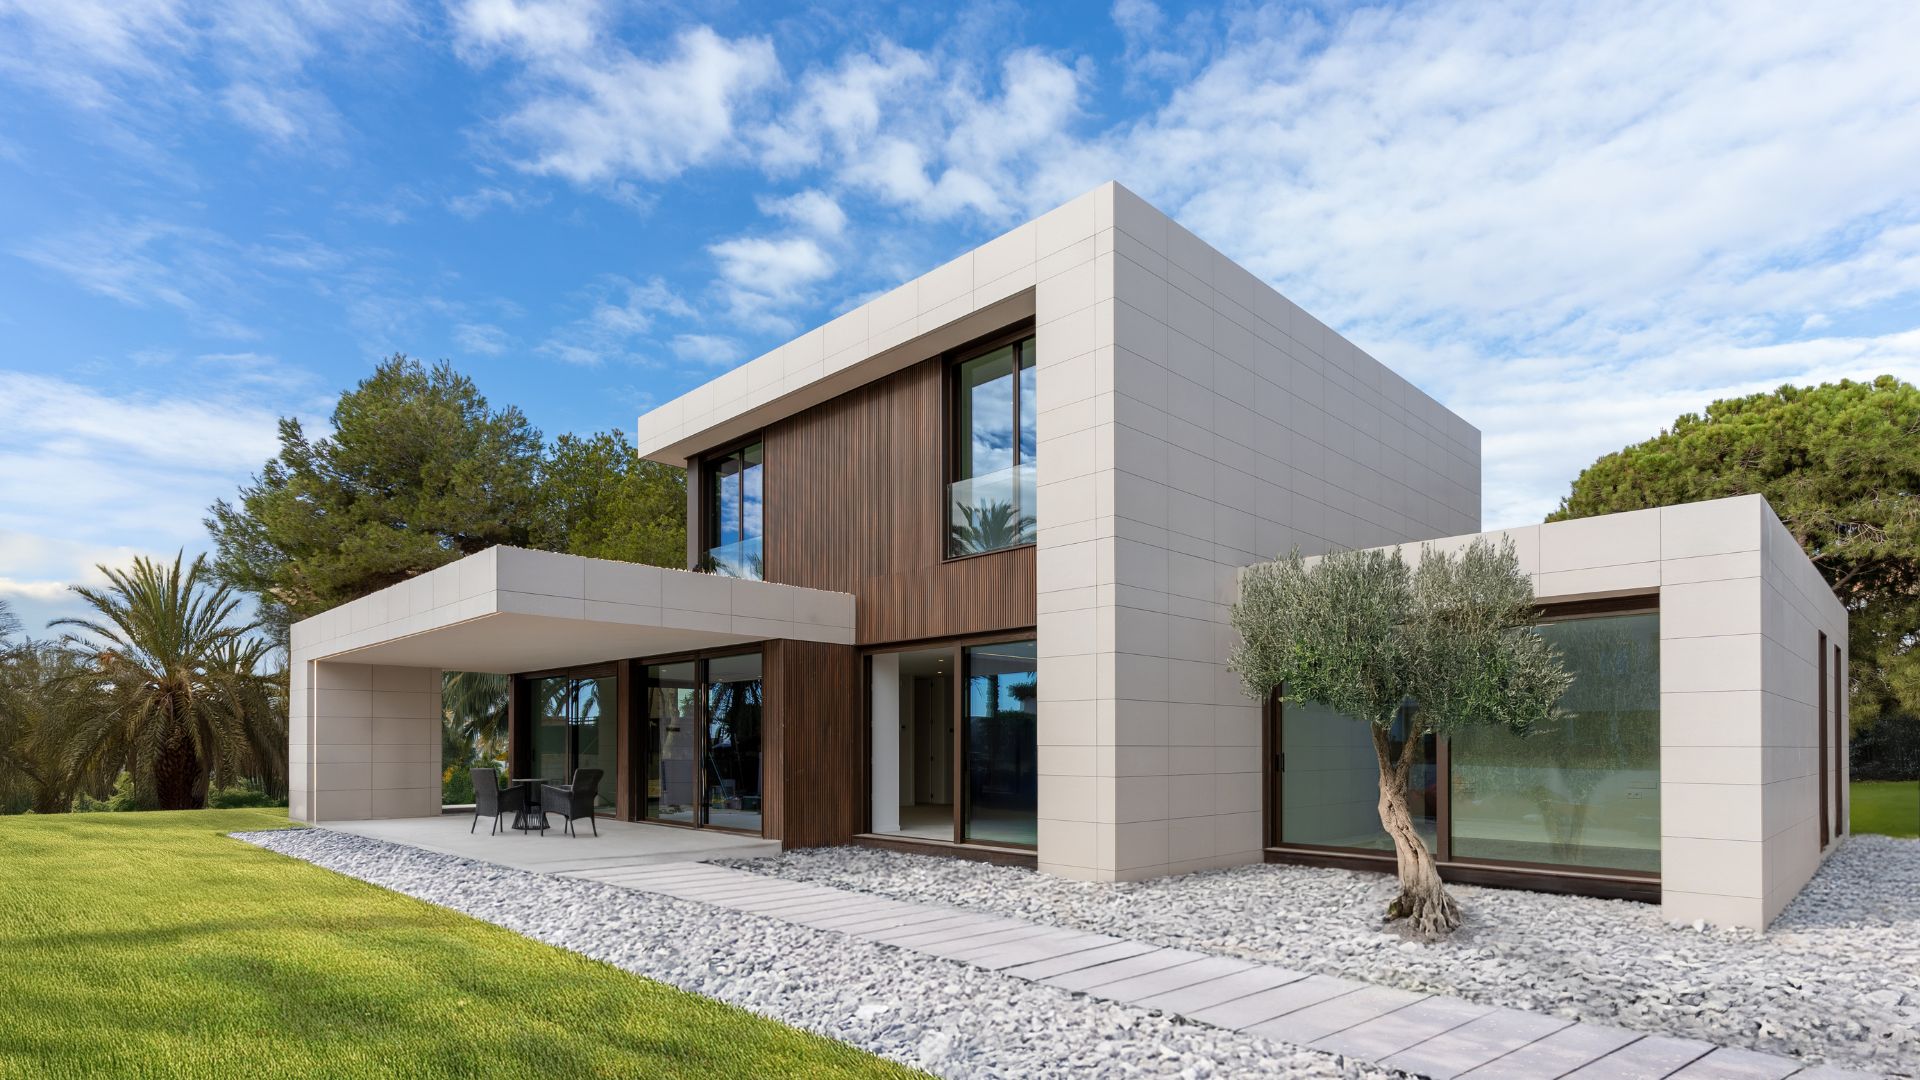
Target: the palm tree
(180, 679)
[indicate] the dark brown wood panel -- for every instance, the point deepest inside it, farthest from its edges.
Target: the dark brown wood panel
(811, 789)
(855, 500)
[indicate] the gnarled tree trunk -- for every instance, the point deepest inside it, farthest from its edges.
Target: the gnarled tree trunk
(1423, 899)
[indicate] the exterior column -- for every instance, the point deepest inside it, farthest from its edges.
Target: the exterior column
(365, 742)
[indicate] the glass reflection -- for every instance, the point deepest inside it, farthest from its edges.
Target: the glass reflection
(1002, 783)
(734, 712)
(1330, 793)
(1587, 791)
(673, 709)
(990, 503)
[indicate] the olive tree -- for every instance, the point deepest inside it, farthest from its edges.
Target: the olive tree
(1363, 634)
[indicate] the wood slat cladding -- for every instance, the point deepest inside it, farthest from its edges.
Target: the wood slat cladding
(811, 792)
(855, 500)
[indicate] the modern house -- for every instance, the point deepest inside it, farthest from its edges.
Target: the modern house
(962, 561)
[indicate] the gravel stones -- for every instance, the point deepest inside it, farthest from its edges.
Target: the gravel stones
(1835, 979)
(944, 1017)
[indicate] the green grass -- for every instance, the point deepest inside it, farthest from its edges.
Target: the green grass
(1884, 806)
(149, 944)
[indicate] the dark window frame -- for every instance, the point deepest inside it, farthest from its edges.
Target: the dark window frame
(950, 405)
(709, 477)
(609, 715)
(1628, 884)
(956, 650)
(642, 749)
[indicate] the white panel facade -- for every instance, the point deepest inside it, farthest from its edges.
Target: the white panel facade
(1193, 421)
(366, 742)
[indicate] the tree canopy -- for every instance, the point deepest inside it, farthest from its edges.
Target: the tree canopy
(1840, 465)
(418, 472)
(601, 499)
(421, 470)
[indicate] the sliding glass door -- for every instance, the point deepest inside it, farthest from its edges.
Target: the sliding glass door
(702, 753)
(954, 743)
(576, 728)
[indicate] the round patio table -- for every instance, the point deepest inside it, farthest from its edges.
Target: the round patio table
(530, 804)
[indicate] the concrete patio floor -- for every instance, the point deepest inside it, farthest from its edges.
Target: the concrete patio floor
(620, 843)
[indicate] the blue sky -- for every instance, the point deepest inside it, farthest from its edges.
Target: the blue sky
(1568, 221)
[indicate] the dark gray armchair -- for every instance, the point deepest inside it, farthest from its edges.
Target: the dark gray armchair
(573, 801)
(489, 800)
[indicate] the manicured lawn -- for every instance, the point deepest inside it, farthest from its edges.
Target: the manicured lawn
(153, 945)
(1885, 806)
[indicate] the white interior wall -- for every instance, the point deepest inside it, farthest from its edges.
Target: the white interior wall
(888, 750)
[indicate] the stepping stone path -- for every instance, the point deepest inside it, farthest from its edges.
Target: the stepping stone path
(1425, 1034)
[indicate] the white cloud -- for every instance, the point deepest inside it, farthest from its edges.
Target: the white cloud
(593, 110)
(620, 317)
(712, 349)
(813, 210)
(483, 338)
(90, 475)
(761, 275)
(478, 202)
(150, 65)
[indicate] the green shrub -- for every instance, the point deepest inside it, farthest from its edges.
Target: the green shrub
(248, 793)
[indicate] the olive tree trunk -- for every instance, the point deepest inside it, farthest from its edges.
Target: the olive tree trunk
(1423, 899)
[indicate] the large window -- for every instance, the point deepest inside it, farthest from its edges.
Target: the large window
(955, 741)
(703, 748)
(734, 524)
(1583, 793)
(990, 501)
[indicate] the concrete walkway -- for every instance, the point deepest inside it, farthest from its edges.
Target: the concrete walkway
(1434, 1036)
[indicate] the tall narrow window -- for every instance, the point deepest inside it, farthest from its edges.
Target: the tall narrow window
(990, 502)
(1821, 735)
(1839, 744)
(734, 523)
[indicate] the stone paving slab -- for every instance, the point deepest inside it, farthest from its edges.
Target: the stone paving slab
(1101, 974)
(1040, 969)
(1652, 1057)
(1384, 1036)
(1166, 980)
(951, 949)
(1054, 942)
(1492, 1036)
(1728, 1063)
(1557, 1054)
(1292, 997)
(1191, 999)
(1428, 1035)
(1303, 1027)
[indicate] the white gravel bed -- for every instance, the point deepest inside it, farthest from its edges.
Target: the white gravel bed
(1836, 979)
(944, 1017)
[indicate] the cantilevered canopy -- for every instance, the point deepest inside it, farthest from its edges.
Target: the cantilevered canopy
(509, 610)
